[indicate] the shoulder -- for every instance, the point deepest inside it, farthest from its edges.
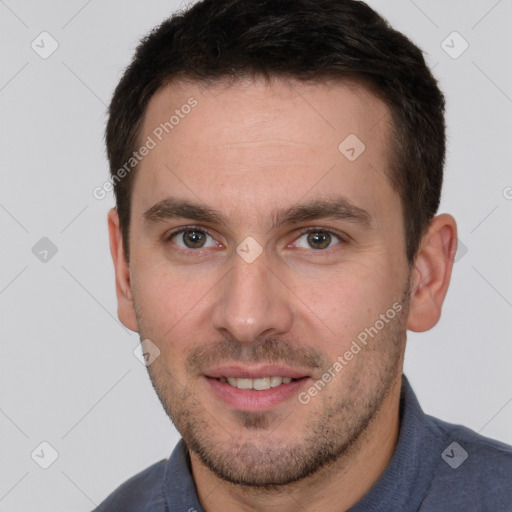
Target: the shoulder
(472, 470)
(484, 450)
(142, 492)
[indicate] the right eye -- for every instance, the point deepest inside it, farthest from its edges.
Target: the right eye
(192, 239)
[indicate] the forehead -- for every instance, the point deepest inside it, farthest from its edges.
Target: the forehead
(253, 143)
(261, 110)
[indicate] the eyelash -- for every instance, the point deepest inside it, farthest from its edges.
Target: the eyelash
(305, 231)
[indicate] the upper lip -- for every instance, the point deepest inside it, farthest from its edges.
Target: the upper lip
(254, 372)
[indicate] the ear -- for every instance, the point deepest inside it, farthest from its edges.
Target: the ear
(125, 306)
(431, 273)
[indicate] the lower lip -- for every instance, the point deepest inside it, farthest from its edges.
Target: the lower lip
(253, 400)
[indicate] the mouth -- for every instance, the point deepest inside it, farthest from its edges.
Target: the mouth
(255, 389)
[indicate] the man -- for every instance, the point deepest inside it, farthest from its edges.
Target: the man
(277, 168)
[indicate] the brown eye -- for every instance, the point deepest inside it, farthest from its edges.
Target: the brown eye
(319, 239)
(192, 239)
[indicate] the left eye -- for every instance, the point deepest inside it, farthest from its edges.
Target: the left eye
(317, 239)
(193, 239)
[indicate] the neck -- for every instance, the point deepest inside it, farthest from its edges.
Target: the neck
(336, 487)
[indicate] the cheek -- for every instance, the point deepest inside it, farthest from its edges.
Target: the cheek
(348, 300)
(166, 300)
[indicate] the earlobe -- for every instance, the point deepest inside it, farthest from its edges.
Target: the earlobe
(431, 273)
(125, 306)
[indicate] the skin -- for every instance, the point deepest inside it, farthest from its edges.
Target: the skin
(247, 150)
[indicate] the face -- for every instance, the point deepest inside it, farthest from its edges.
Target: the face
(263, 250)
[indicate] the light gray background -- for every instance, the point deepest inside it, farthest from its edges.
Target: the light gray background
(68, 375)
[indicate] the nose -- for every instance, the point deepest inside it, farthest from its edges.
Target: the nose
(252, 302)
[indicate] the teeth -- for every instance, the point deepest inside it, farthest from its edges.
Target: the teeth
(244, 384)
(275, 381)
(261, 383)
(257, 384)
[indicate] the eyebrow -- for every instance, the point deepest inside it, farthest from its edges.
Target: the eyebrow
(339, 208)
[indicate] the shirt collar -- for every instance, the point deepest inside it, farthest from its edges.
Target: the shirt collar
(407, 478)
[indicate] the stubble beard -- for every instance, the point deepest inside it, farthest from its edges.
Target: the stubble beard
(258, 459)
